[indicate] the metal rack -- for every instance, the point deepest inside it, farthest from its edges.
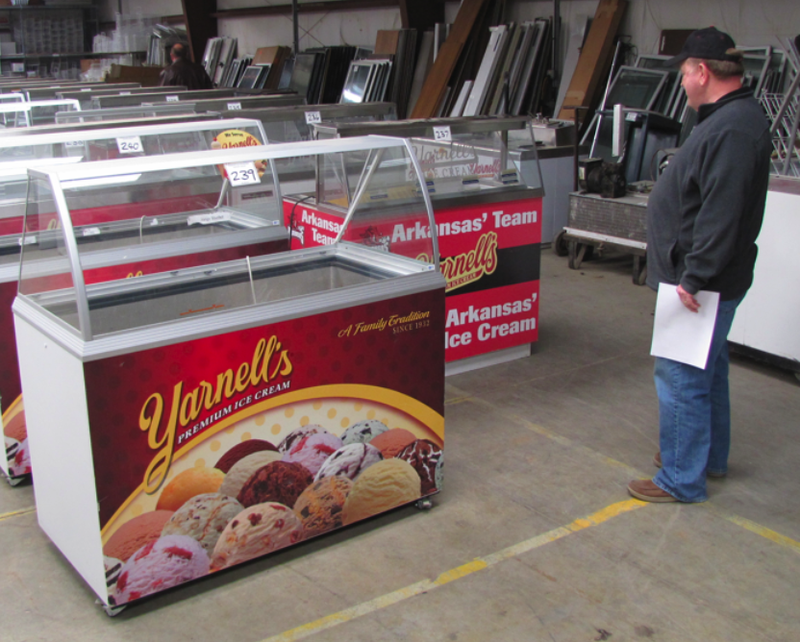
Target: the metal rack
(783, 109)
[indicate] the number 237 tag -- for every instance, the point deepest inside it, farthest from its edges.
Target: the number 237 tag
(242, 174)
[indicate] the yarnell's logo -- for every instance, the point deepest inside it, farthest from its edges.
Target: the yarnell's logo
(163, 422)
(463, 269)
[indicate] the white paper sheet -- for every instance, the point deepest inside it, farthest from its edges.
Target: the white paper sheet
(680, 334)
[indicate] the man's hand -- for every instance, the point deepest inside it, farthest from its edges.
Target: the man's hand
(688, 300)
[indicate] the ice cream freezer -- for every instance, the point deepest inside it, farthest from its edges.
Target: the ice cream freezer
(121, 212)
(289, 123)
(29, 114)
(487, 201)
(159, 110)
(765, 325)
(196, 417)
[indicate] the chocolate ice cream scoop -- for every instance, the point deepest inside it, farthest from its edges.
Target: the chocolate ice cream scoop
(424, 456)
(279, 481)
(241, 450)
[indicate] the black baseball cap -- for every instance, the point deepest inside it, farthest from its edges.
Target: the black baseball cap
(707, 44)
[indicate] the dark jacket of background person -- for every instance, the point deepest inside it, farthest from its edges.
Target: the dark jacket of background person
(184, 72)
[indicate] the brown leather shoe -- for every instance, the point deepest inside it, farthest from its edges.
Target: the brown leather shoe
(657, 462)
(647, 491)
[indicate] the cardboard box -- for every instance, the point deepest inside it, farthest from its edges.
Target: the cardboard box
(147, 76)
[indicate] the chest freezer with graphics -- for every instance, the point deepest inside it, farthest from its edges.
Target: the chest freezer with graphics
(198, 415)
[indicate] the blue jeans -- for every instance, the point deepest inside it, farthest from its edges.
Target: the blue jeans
(694, 416)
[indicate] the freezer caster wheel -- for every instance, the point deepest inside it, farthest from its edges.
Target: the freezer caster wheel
(424, 504)
(112, 611)
(560, 244)
(13, 481)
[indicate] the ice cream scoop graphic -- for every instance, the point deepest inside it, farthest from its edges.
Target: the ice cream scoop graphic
(279, 481)
(243, 469)
(424, 456)
(320, 505)
(257, 530)
(136, 533)
(363, 431)
(191, 482)
(312, 450)
(392, 441)
(384, 485)
(160, 565)
(350, 461)
(242, 450)
(203, 518)
(297, 434)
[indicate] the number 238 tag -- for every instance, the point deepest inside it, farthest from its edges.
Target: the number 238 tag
(242, 174)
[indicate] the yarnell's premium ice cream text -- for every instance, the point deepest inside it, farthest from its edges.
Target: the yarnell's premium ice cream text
(268, 363)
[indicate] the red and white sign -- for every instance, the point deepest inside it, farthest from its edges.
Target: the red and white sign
(489, 255)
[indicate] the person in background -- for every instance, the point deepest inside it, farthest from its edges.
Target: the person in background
(184, 72)
(703, 217)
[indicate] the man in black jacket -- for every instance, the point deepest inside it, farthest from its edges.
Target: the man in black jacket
(703, 217)
(184, 72)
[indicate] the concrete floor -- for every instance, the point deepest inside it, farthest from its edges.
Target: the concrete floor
(534, 536)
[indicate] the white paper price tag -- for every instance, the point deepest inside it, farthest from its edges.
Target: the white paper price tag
(313, 117)
(235, 106)
(172, 99)
(86, 89)
(27, 240)
(17, 67)
(209, 219)
(124, 93)
(130, 145)
(91, 231)
(73, 143)
(442, 133)
(242, 174)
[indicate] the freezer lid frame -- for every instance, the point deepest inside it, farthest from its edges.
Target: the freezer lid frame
(416, 278)
(65, 176)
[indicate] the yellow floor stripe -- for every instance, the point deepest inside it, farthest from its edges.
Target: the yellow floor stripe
(478, 564)
(17, 513)
(758, 529)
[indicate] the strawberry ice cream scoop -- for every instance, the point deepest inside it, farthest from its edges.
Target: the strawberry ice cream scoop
(162, 564)
(312, 450)
(18, 456)
(257, 530)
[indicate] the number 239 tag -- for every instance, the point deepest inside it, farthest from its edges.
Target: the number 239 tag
(242, 174)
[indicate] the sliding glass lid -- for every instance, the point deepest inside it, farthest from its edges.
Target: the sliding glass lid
(121, 245)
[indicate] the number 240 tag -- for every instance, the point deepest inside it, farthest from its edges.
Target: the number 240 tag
(130, 145)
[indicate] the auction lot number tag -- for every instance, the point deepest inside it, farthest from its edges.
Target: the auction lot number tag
(242, 174)
(442, 133)
(130, 145)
